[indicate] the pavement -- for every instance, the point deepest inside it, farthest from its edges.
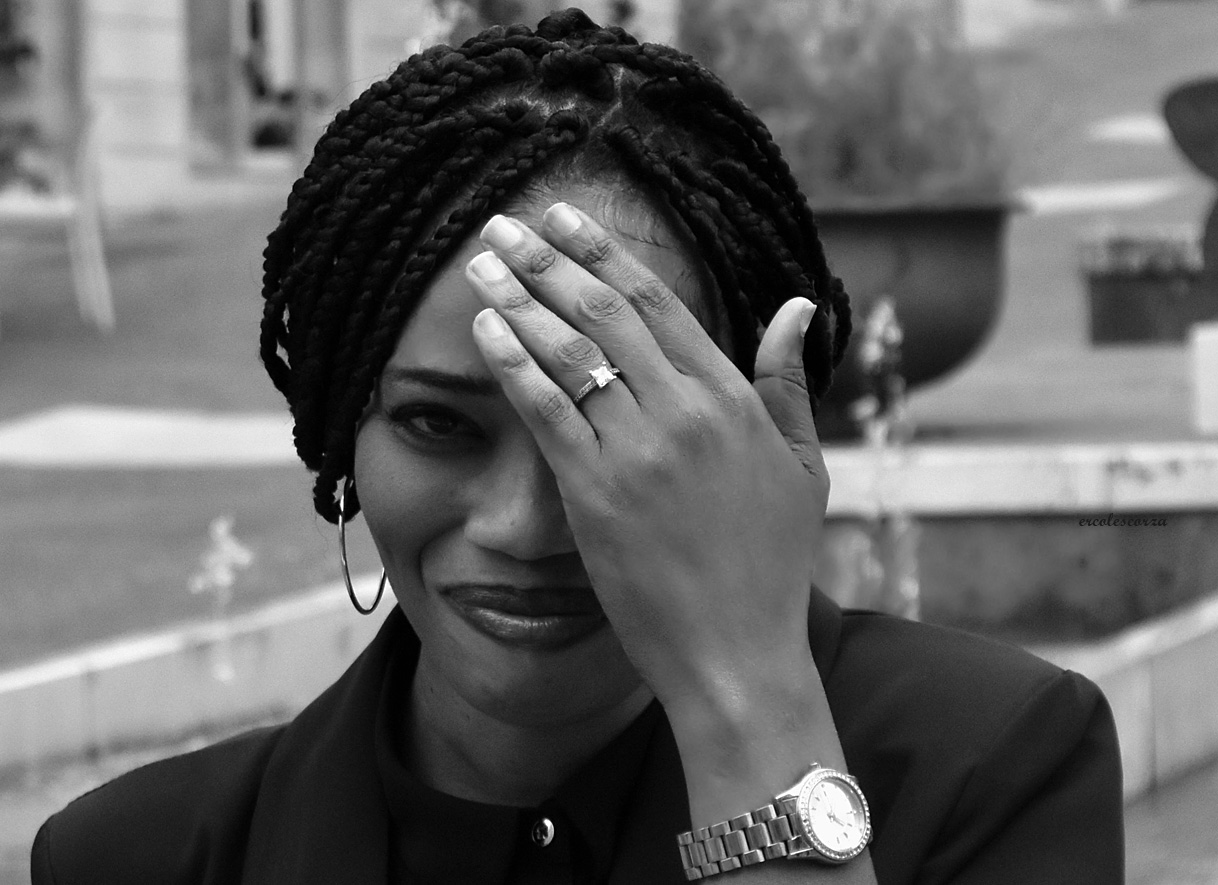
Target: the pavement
(1171, 835)
(106, 437)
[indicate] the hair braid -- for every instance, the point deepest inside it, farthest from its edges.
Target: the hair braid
(698, 215)
(368, 130)
(398, 224)
(699, 83)
(353, 270)
(319, 213)
(562, 129)
(406, 174)
(746, 132)
(766, 253)
(393, 260)
(417, 90)
(784, 276)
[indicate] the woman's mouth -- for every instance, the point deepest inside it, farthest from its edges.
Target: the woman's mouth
(547, 618)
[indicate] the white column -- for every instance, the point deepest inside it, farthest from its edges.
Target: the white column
(134, 71)
(1203, 341)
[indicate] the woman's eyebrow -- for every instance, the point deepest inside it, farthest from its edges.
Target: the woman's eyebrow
(456, 382)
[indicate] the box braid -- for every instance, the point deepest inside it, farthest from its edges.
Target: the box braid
(410, 170)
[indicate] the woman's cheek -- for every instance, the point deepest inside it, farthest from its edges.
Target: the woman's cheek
(409, 499)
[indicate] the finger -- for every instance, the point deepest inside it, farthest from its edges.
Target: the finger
(575, 298)
(686, 344)
(560, 429)
(567, 356)
(780, 381)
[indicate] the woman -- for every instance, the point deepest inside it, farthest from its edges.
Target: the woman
(514, 305)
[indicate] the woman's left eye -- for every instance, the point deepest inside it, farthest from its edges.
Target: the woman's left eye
(433, 423)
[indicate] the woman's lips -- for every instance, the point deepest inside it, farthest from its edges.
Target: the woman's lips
(538, 617)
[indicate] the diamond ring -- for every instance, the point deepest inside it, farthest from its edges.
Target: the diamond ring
(601, 376)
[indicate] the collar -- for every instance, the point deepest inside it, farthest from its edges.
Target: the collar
(824, 631)
(321, 814)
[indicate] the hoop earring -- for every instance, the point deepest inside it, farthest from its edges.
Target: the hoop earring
(342, 557)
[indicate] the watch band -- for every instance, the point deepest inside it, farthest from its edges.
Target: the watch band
(763, 834)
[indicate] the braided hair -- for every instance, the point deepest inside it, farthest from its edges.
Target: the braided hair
(412, 168)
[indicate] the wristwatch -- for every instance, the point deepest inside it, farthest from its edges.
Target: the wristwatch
(822, 817)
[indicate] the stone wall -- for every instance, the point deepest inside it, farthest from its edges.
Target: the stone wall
(1035, 543)
(1039, 577)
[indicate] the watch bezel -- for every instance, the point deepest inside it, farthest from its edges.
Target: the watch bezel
(803, 803)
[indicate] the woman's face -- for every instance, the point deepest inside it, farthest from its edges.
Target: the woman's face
(467, 516)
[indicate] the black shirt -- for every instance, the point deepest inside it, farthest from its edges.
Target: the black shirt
(438, 839)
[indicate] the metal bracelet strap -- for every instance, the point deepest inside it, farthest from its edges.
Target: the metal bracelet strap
(759, 835)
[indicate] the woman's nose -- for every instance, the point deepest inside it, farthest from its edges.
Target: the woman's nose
(517, 510)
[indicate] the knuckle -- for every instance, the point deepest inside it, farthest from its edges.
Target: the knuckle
(650, 297)
(647, 466)
(797, 376)
(579, 352)
(784, 379)
(601, 303)
(596, 252)
(691, 431)
(539, 261)
(516, 363)
(516, 300)
(552, 407)
(657, 466)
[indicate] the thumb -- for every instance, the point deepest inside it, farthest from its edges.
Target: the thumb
(780, 381)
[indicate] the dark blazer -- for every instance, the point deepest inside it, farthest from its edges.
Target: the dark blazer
(981, 763)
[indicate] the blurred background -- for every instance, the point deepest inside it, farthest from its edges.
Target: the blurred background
(1019, 195)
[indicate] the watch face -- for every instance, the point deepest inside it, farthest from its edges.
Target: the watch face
(835, 816)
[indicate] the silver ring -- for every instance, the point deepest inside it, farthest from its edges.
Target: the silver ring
(601, 376)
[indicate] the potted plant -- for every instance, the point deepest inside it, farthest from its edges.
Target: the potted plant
(878, 107)
(1145, 287)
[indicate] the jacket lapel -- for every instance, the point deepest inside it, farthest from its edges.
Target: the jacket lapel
(321, 815)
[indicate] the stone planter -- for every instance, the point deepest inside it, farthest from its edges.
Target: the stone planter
(1147, 307)
(1146, 286)
(942, 265)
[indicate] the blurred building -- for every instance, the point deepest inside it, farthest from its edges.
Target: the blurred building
(178, 92)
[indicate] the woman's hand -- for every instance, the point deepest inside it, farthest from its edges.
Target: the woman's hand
(695, 499)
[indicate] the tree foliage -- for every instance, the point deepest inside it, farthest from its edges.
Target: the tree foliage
(870, 99)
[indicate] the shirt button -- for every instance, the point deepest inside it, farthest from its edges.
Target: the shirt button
(543, 832)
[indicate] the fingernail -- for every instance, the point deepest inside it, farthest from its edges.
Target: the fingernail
(491, 323)
(805, 317)
(562, 219)
(488, 268)
(500, 233)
